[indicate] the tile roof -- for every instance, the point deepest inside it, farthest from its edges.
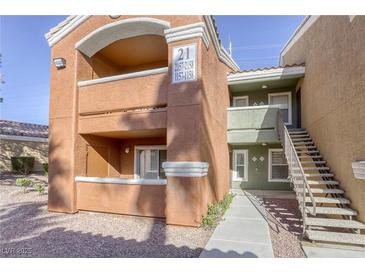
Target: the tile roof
(269, 68)
(23, 129)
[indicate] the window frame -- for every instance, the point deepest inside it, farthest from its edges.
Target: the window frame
(153, 147)
(240, 97)
(234, 165)
(270, 179)
(289, 94)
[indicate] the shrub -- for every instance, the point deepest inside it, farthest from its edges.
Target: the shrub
(40, 187)
(216, 211)
(23, 182)
(45, 169)
(22, 164)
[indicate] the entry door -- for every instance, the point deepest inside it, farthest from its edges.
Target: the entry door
(97, 161)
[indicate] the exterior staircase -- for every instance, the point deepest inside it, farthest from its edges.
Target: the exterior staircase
(326, 213)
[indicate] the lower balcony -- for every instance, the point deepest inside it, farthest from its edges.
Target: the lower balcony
(251, 125)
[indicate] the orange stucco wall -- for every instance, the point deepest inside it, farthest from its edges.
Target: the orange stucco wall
(192, 125)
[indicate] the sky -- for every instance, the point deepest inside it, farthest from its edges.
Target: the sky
(256, 42)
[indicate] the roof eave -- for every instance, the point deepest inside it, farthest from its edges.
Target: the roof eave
(269, 75)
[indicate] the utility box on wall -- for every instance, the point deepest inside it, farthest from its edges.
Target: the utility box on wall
(359, 169)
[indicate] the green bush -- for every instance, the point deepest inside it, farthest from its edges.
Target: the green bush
(23, 182)
(40, 187)
(22, 164)
(45, 169)
(216, 211)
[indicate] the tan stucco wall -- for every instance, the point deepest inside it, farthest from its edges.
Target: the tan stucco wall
(140, 200)
(137, 90)
(13, 148)
(333, 96)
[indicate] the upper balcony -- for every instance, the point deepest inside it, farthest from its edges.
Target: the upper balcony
(255, 124)
(123, 66)
(125, 91)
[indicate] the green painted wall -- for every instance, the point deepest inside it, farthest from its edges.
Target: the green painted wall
(258, 96)
(250, 136)
(252, 118)
(258, 171)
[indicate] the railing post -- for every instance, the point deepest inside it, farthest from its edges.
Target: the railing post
(303, 212)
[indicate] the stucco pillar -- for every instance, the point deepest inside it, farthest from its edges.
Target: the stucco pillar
(186, 197)
(185, 189)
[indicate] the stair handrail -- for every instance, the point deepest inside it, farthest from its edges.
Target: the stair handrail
(291, 155)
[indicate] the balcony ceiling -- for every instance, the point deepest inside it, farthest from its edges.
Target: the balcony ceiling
(132, 134)
(257, 86)
(146, 49)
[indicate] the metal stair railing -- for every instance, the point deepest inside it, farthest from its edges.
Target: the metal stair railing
(296, 174)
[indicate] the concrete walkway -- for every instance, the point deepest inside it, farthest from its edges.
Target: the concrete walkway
(243, 232)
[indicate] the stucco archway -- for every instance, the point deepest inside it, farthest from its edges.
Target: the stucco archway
(123, 29)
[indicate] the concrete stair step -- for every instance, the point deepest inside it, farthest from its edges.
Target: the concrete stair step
(299, 138)
(315, 182)
(323, 190)
(300, 142)
(318, 175)
(313, 162)
(310, 156)
(299, 134)
(345, 238)
(325, 200)
(304, 147)
(328, 222)
(297, 174)
(312, 168)
(308, 152)
(332, 211)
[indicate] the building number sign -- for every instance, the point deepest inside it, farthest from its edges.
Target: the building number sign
(184, 64)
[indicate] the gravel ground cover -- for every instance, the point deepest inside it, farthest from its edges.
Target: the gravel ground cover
(27, 229)
(285, 227)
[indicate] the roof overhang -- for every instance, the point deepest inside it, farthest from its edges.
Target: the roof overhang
(271, 74)
(302, 28)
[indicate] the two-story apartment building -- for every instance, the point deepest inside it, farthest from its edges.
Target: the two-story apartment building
(150, 116)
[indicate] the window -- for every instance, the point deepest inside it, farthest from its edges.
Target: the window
(240, 101)
(240, 165)
(278, 167)
(148, 162)
(283, 100)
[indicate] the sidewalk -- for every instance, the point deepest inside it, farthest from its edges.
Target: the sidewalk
(244, 232)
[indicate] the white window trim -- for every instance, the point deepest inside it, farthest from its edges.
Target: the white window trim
(240, 97)
(270, 166)
(158, 147)
(234, 156)
(290, 104)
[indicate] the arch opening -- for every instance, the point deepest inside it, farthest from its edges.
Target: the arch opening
(126, 46)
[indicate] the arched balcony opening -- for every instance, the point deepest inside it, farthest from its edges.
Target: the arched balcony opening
(125, 46)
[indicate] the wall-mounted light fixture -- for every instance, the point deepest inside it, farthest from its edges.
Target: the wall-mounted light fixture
(264, 144)
(264, 86)
(59, 62)
(127, 149)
